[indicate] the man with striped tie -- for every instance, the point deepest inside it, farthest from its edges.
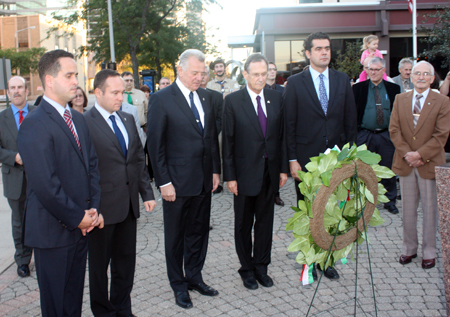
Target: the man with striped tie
(14, 181)
(420, 124)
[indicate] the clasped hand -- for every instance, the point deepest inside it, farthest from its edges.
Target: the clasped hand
(91, 220)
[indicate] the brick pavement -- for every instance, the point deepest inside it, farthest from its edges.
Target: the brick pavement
(401, 290)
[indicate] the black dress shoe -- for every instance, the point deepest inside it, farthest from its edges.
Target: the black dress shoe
(392, 209)
(218, 189)
(183, 300)
(23, 270)
(279, 201)
(250, 282)
(330, 273)
(203, 289)
(264, 280)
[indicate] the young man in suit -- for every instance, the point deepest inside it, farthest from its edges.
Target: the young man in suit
(14, 180)
(255, 167)
(122, 178)
(420, 124)
(63, 191)
(320, 110)
(374, 99)
(182, 142)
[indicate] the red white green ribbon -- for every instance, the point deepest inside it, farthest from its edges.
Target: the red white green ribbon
(306, 276)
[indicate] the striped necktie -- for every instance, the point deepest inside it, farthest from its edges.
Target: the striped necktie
(68, 119)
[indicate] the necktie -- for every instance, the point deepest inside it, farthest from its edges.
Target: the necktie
(405, 84)
(195, 111)
(379, 107)
(20, 117)
(416, 112)
(119, 135)
(323, 95)
(130, 99)
(68, 119)
(261, 116)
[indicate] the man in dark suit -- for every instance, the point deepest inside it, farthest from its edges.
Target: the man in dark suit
(255, 167)
(122, 177)
(63, 191)
(374, 100)
(319, 109)
(14, 181)
(182, 142)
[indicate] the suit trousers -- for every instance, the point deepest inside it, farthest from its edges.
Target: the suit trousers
(115, 246)
(23, 253)
(413, 187)
(186, 234)
(381, 144)
(60, 273)
(258, 212)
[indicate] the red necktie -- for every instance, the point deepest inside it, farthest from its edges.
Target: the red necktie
(69, 122)
(20, 117)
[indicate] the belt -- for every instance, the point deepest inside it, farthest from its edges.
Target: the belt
(376, 131)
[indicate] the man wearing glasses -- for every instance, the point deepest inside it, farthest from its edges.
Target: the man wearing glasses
(135, 97)
(374, 99)
(420, 122)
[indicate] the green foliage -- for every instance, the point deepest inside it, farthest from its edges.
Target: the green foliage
(348, 61)
(344, 207)
(26, 60)
(438, 36)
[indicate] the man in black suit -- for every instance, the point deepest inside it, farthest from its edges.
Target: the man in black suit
(255, 167)
(319, 110)
(182, 142)
(63, 191)
(122, 177)
(374, 101)
(14, 180)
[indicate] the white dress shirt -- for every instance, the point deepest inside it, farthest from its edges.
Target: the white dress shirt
(421, 100)
(61, 110)
(253, 96)
(105, 114)
(198, 103)
(316, 80)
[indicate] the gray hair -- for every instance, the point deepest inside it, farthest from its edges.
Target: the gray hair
(253, 59)
(425, 62)
(377, 60)
(404, 61)
(184, 57)
(21, 78)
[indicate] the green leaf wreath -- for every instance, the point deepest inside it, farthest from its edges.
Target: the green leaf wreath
(344, 207)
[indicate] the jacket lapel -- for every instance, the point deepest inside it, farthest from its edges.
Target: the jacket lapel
(249, 109)
(333, 87)
(184, 106)
(11, 123)
(426, 109)
(309, 84)
(269, 109)
(129, 127)
(105, 128)
(206, 110)
(407, 110)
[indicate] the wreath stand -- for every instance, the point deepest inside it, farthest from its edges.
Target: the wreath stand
(356, 171)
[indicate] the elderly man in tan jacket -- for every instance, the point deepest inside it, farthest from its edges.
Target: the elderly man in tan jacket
(420, 124)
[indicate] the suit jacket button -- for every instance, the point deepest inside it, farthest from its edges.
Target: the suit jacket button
(88, 201)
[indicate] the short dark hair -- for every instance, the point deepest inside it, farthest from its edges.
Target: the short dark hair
(85, 99)
(49, 64)
(307, 44)
(144, 88)
(102, 76)
(126, 74)
(253, 59)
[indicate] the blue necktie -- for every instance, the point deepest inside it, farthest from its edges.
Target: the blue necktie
(195, 111)
(119, 135)
(323, 95)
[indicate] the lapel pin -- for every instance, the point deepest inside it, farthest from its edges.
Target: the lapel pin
(268, 101)
(124, 119)
(203, 99)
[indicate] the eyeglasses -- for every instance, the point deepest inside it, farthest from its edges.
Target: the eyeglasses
(128, 80)
(419, 74)
(79, 96)
(375, 70)
(263, 75)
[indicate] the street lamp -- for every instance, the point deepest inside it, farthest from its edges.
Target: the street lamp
(15, 36)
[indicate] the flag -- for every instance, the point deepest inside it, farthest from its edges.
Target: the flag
(306, 276)
(410, 6)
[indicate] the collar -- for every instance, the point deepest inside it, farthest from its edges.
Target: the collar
(105, 114)
(253, 94)
(15, 110)
(372, 85)
(424, 95)
(184, 89)
(57, 106)
(315, 74)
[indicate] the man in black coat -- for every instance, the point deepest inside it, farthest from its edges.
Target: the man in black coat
(122, 178)
(319, 110)
(374, 101)
(182, 142)
(255, 167)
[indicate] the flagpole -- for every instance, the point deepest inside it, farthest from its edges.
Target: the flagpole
(414, 27)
